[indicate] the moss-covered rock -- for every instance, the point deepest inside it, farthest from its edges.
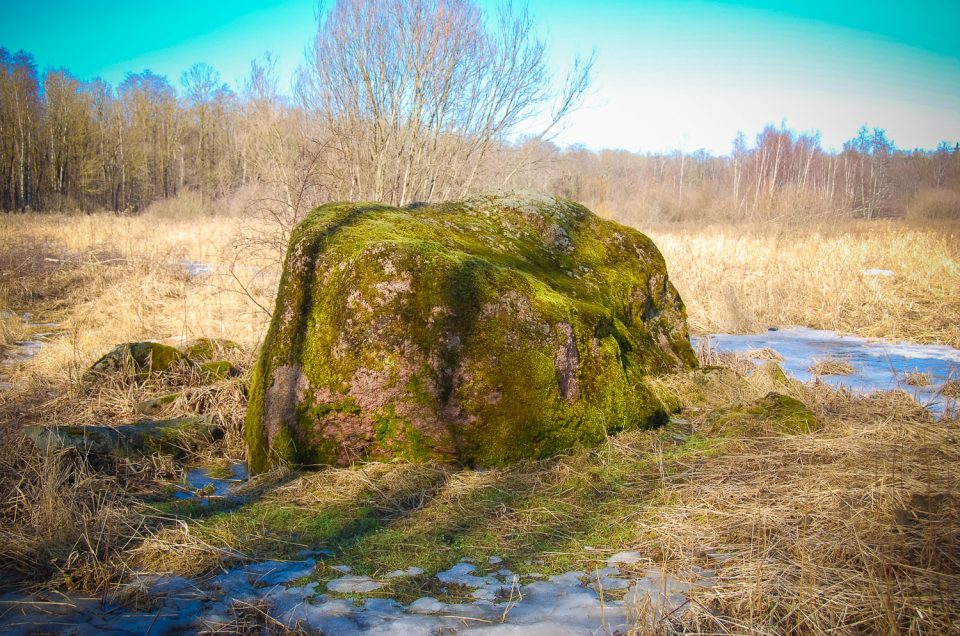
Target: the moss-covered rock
(140, 359)
(485, 330)
(217, 370)
(210, 349)
(177, 436)
(773, 414)
(156, 405)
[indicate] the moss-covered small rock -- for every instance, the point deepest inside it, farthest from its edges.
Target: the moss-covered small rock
(484, 331)
(773, 414)
(217, 370)
(139, 359)
(176, 436)
(210, 349)
(156, 405)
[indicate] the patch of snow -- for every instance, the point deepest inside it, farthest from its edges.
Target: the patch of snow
(460, 574)
(25, 350)
(278, 572)
(625, 557)
(353, 585)
(608, 579)
(561, 604)
(410, 571)
(427, 605)
(878, 272)
(196, 269)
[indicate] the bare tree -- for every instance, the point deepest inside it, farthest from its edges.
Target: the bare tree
(417, 95)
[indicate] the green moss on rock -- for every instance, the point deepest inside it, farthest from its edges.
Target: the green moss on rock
(139, 359)
(174, 436)
(217, 370)
(210, 349)
(774, 414)
(155, 405)
(485, 331)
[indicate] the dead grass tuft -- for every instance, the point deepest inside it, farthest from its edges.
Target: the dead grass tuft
(764, 353)
(250, 619)
(950, 389)
(710, 356)
(831, 367)
(60, 521)
(916, 378)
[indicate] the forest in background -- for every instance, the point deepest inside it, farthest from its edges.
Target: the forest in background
(68, 144)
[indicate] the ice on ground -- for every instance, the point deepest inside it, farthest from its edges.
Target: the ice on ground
(196, 269)
(278, 572)
(427, 605)
(461, 574)
(200, 480)
(353, 584)
(24, 350)
(625, 557)
(21, 351)
(410, 571)
(561, 604)
(878, 365)
(608, 579)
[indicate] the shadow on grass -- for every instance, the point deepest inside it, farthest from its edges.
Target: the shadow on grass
(377, 518)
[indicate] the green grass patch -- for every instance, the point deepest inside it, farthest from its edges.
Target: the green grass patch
(548, 516)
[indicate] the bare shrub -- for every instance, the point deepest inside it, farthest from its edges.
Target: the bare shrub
(939, 204)
(417, 96)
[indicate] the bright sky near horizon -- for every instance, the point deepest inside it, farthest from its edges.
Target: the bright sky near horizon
(669, 75)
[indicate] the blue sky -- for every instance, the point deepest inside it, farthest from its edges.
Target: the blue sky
(668, 75)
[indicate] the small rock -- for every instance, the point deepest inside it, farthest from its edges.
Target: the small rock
(127, 440)
(142, 359)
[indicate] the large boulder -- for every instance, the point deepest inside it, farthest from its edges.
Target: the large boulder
(484, 331)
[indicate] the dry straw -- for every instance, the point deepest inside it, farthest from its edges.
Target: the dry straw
(852, 529)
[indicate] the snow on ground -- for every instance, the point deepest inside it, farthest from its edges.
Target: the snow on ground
(196, 269)
(23, 350)
(564, 604)
(878, 365)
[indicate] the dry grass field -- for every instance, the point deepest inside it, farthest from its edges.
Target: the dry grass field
(850, 528)
(884, 279)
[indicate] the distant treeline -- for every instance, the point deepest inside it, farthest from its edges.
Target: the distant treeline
(69, 144)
